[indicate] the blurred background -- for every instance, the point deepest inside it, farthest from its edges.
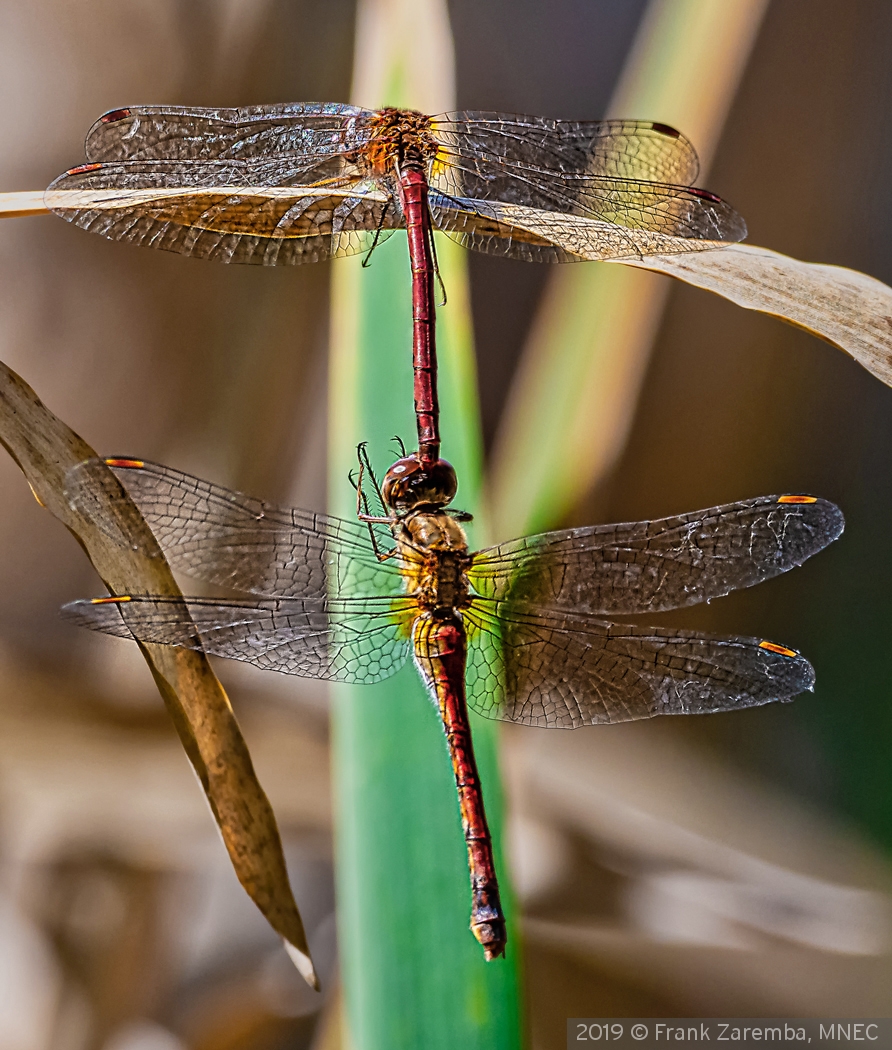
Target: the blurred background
(735, 865)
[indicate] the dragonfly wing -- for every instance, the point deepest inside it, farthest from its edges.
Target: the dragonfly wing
(628, 149)
(363, 640)
(262, 212)
(226, 538)
(175, 133)
(514, 231)
(541, 189)
(565, 673)
(572, 219)
(650, 566)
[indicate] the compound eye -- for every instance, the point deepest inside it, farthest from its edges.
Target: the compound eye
(443, 483)
(407, 484)
(397, 485)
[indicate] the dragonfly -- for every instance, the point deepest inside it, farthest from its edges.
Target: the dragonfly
(522, 631)
(301, 182)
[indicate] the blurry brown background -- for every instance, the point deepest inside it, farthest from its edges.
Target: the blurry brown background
(729, 865)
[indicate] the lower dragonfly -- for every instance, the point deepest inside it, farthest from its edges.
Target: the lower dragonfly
(516, 631)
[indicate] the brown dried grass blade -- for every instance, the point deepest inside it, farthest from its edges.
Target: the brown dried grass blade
(24, 202)
(846, 308)
(45, 450)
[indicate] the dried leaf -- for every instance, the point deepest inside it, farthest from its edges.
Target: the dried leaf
(46, 449)
(24, 202)
(846, 308)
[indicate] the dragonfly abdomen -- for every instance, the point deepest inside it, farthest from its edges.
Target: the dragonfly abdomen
(402, 143)
(440, 647)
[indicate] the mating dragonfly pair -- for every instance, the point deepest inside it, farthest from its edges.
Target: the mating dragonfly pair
(521, 631)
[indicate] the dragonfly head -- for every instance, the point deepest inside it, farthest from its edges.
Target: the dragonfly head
(408, 484)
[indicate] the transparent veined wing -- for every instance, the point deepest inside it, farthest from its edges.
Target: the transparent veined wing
(650, 566)
(631, 149)
(566, 672)
(542, 671)
(361, 640)
(224, 537)
(627, 149)
(311, 131)
(586, 219)
(264, 212)
(269, 185)
(561, 191)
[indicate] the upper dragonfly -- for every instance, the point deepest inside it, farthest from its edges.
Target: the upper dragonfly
(520, 631)
(301, 182)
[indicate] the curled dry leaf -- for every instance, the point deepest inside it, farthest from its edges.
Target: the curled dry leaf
(45, 450)
(846, 308)
(25, 202)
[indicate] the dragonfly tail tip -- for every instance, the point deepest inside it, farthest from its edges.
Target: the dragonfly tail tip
(492, 937)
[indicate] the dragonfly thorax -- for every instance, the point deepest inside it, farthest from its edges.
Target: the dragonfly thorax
(401, 138)
(433, 531)
(435, 550)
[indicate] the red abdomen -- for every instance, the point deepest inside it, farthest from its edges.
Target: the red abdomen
(440, 646)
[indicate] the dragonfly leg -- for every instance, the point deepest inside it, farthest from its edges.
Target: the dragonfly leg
(362, 503)
(440, 651)
(365, 467)
(433, 250)
(367, 260)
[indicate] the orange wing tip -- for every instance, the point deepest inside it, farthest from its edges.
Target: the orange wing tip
(83, 168)
(113, 115)
(779, 649)
(135, 464)
(116, 600)
(798, 499)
